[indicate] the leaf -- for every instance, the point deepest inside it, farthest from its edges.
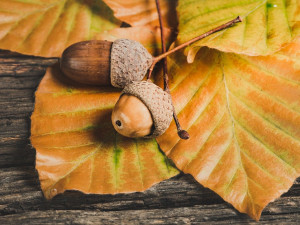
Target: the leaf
(77, 147)
(148, 36)
(47, 27)
(243, 117)
(267, 24)
(144, 12)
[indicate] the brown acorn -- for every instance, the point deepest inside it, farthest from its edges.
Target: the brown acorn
(116, 63)
(143, 110)
(124, 63)
(106, 63)
(131, 117)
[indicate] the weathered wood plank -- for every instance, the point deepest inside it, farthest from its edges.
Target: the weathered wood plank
(19, 78)
(15, 152)
(179, 191)
(180, 200)
(16, 104)
(200, 214)
(20, 192)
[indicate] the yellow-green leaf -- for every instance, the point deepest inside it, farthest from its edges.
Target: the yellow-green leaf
(77, 147)
(47, 27)
(267, 24)
(243, 117)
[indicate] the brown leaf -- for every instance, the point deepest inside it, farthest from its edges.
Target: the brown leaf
(46, 28)
(148, 36)
(144, 12)
(243, 117)
(77, 147)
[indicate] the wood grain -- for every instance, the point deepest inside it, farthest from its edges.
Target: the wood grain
(180, 200)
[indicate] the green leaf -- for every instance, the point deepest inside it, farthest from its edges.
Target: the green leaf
(266, 27)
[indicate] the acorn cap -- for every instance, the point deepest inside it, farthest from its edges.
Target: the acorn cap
(157, 101)
(129, 62)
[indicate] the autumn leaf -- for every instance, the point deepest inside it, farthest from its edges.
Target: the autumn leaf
(243, 117)
(242, 112)
(77, 147)
(144, 12)
(46, 28)
(148, 36)
(267, 24)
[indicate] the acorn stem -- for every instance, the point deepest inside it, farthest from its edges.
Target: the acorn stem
(219, 28)
(181, 133)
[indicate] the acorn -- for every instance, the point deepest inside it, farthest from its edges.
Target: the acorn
(116, 63)
(106, 63)
(143, 110)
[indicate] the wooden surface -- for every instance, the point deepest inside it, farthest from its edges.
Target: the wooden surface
(179, 200)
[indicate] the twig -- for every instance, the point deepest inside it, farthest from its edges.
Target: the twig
(181, 133)
(163, 45)
(164, 55)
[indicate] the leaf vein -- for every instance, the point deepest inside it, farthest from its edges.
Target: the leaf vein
(201, 147)
(263, 118)
(264, 145)
(139, 162)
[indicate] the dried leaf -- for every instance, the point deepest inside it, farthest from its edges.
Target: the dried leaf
(46, 28)
(77, 147)
(266, 26)
(243, 116)
(144, 12)
(148, 36)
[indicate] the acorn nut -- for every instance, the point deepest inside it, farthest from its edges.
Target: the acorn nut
(131, 117)
(106, 63)
(143, 110)
(119, 63)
